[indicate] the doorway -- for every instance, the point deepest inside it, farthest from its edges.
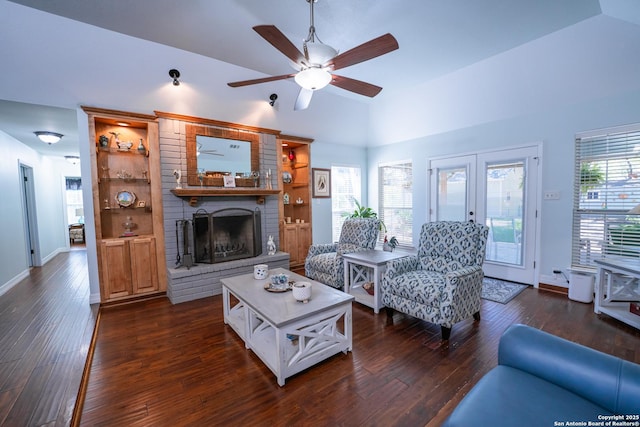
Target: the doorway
(499, 189)
(74, 211)
(29, 216)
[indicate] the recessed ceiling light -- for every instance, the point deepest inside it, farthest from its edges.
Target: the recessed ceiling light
(123, 124)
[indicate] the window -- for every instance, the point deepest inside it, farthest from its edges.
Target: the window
(346, 186)
(395, 187)
(75, 212)
(606, 189)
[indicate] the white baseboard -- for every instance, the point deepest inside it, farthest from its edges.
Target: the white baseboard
(94, 298)
(53, 254)
(11, 283)
(553, 279)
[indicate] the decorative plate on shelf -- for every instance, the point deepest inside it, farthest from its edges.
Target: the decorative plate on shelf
(125, 198)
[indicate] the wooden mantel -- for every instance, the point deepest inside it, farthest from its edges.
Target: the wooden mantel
(195, 193)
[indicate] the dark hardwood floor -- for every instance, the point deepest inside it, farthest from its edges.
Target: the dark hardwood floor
(46, 324)
(157, 364)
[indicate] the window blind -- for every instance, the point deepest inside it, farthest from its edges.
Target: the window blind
(346, 187)
(606, 191)
(395, 196)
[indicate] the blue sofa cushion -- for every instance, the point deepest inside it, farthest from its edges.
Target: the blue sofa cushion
(510, 397)
(602, 378)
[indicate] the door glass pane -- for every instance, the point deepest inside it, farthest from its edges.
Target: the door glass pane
(504, 212)
(452, 194)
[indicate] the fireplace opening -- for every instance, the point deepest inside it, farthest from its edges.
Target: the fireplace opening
(226, 235)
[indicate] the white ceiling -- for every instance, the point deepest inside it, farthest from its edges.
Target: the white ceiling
(436, 38)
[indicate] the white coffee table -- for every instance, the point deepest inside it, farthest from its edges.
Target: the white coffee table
(366, 266)
(287, 335)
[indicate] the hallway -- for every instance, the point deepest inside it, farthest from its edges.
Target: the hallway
(46, 324)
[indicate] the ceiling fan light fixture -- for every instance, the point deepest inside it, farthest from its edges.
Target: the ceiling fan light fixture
(48, 137)
(313, 78)
(319, 53)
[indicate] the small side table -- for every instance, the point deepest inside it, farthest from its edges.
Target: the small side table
(363, 267)
(617, 285)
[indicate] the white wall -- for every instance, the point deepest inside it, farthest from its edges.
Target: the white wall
(49, 173)
(325, 155)
(556, 128)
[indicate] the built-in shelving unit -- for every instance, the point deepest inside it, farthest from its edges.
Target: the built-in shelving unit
(295, 173)
(127, 203)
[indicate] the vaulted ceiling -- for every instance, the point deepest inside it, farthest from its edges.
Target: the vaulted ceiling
(436, 37)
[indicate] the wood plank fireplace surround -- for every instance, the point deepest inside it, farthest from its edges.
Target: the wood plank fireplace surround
(263, 203)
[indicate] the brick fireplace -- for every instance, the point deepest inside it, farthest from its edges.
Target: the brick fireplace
(203, 279)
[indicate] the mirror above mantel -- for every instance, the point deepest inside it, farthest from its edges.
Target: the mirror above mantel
(213, 153)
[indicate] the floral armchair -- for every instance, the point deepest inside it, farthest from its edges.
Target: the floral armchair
(324, 262)
(442, 284)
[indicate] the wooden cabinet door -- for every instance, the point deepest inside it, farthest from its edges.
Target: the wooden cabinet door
(297, 239)
(304, 241)
(144, 265)
(115, 268)
(290, 243)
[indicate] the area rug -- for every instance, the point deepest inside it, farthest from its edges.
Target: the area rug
(500, 291)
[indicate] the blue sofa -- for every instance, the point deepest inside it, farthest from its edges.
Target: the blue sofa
(542, 379)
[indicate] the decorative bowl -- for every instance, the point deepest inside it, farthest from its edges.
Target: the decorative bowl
(280, 281)
(302, 291)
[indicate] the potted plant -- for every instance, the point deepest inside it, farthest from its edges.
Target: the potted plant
(365, 212)
(390, 244)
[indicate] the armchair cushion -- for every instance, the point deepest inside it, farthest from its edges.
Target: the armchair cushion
(422, 286)
(345, 248)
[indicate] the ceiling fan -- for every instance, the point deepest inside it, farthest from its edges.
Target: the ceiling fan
(315, 67)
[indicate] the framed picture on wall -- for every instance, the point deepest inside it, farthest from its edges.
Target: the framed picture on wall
(321, 182)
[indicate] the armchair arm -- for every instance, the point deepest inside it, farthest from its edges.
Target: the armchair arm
(400, 266)
(460, 298)
(322, 249)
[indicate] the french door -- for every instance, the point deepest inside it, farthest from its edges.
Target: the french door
(499, 189)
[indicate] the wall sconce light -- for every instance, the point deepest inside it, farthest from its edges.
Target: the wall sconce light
(74, 160)
(48, 137)
(273, 98)
(174, 74)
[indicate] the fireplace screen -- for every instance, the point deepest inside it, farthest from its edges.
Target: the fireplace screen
(226, 235)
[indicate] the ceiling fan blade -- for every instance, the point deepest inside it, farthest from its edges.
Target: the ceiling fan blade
(357, 86)
(303, 100)
(262, 80)
(364, 52)
(278, 40)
